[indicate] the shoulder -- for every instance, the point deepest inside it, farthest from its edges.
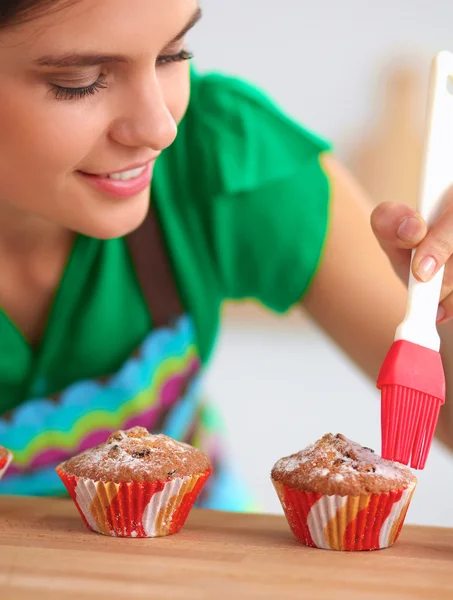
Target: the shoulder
(241, 136)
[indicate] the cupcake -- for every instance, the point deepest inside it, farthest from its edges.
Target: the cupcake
(136, 484)
(5, 459)
(338, 495)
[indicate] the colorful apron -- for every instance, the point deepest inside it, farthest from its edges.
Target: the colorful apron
(158, 388)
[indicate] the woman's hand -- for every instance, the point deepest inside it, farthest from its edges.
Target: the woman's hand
(400, 228)
(356, 296)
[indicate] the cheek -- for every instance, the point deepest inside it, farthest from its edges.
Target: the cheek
(175, 84)
(41, 141)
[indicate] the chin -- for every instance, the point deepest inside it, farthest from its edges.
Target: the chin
(96, 215)
(116, 223)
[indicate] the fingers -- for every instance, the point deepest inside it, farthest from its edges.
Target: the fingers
(446, 296)
(398, 225)
(398, 229)
(436, 248)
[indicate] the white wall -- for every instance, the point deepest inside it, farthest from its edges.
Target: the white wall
(320, 58)
(281, 388)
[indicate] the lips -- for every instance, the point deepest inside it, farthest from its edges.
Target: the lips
(121, 169)
(120, 188)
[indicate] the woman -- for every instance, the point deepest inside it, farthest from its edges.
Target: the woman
(110, 303)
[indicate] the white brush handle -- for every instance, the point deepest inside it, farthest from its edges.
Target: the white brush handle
(419, 324)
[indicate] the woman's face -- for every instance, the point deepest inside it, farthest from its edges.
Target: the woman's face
(59, 123)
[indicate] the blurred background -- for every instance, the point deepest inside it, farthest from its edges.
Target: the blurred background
(356, 73)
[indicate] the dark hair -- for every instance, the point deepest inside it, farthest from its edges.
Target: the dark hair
(16, 12)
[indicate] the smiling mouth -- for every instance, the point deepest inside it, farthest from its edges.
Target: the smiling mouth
(129, 172)
(125, 175)
(123, 184)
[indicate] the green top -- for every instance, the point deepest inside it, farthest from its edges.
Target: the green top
(243, 204)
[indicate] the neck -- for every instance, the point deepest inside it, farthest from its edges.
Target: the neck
(22, 232)
(33, 255)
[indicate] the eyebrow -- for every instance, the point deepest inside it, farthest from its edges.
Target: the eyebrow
(89, 60)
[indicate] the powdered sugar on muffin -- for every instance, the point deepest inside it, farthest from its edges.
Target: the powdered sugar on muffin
(137, 455)
(335, 465)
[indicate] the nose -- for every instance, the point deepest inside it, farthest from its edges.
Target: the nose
(145, 118)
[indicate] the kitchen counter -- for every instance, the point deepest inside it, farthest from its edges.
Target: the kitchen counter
(47, 553)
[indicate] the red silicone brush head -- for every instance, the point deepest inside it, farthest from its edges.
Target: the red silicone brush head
(408, 423)
(412, 384)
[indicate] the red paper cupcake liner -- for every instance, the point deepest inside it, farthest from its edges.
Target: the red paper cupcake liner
(5, 460)
(135, 509)
(367, 522)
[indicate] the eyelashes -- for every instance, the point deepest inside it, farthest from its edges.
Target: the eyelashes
(171, 58)
(67, 93)
(74, 93)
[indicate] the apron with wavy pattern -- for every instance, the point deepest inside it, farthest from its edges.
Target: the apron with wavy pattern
(158, 387)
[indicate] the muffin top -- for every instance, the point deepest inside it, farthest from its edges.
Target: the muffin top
(137, 455)
(335, 465)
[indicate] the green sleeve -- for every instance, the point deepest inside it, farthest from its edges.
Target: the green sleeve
(263, 195)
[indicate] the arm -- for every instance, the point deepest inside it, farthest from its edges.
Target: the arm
(356, 296)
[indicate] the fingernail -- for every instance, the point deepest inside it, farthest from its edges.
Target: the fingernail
(408, 229)
(426, 268)
(440, 313)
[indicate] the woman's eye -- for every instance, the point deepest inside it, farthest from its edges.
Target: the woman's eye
(172, 58)
(76, 93)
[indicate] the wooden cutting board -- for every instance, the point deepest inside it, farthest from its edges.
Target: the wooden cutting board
(47, 553)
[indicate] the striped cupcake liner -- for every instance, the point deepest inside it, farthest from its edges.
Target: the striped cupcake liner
(134, 509)
(367, 522)
(5, 462)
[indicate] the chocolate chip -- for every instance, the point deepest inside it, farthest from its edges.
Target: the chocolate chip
(365, 448)
(141, 453)
(171, 473)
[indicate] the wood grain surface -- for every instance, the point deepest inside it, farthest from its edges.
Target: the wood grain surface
(47, 553)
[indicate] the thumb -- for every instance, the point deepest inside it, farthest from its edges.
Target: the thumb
(398, 226)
